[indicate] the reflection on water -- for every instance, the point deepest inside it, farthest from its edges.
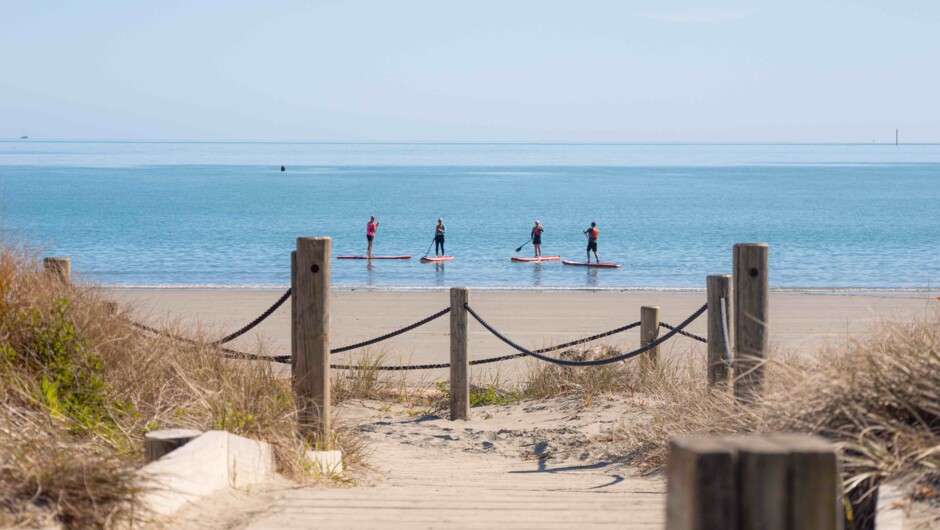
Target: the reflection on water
(372, 276)
(439, 274)
(591, 277)
(537, 274)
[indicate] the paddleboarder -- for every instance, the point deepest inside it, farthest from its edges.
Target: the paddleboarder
(537, 238)
(371, 227)
(439, 232)
(592, 234)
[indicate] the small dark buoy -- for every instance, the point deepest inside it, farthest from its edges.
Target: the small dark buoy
(283, 168)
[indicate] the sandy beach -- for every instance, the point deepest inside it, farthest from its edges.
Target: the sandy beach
(799, 322)
(423, 469)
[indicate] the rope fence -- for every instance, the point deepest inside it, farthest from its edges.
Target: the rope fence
(395, 333)
(594, 362)
(692, 336)
(522, 351)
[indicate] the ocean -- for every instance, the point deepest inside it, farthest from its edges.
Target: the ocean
(197, 214)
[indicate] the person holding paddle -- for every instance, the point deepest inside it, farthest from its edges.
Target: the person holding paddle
(537, 238)
(439, 237)
(592, 234)
(371, 227)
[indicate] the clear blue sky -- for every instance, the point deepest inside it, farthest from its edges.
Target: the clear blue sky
(813, 71)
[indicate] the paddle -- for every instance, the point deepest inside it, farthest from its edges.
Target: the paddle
(524, 244)
(429, 248)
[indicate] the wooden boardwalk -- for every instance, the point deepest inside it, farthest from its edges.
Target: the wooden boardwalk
(428, 488)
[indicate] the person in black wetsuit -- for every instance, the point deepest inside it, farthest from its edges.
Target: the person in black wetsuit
(439, 232)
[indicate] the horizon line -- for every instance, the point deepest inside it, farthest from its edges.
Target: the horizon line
(458, 142)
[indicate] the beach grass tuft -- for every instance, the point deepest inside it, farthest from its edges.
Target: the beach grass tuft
(81, 387)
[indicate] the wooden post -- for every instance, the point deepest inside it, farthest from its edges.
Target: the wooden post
(762, 484)
(60, 268)
(459, 355)
(718, 287)
(311, 334)
(159, 443)
(815, 482)
(649, 331)
(776, 482)
(701, 483)
(750, 318)
(294, 329)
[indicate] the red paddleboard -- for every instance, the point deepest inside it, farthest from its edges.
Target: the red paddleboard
(437, 258)
(373, 257)
(598, 265)
(540, 258)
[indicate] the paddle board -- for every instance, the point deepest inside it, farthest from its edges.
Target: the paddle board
(540, 258)
(373, 257)
(602, 265)
(437, 259)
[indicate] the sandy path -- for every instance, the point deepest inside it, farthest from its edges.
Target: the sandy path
(482, 473)
(425, 491)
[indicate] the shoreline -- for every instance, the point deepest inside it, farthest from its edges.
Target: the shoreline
(517, 288)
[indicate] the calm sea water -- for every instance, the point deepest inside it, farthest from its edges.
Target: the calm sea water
(197, 214)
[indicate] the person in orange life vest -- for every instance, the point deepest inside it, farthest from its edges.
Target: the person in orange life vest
(537, 238)
(370, 233)
(592, 234)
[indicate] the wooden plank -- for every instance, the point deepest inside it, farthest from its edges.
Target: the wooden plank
(718, 287)
(459, 355)
(159, 443)
(312, 325)
(750, 318)
(701, 485)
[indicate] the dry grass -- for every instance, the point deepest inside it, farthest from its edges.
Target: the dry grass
(365, 380)
(877, 398)
(81, 387)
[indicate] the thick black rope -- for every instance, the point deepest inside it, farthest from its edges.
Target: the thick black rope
(491, 359)
(228, 338)
(729, 360)
(405, 329)
(588, 339)
(686, 333)
(595, 362)
(232, 336)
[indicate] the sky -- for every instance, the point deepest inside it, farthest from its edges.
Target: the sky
(447, 71)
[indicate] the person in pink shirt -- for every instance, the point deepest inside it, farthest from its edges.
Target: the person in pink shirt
(370, 232)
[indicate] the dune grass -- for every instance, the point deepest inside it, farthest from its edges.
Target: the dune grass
(81, 387)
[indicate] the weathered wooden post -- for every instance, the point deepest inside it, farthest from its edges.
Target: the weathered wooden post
(775, 482)
(294, 329)
(60, 268)
(311, 336)
(718, 288)
(649, 331)
(750, 318)
(459, 355)
(700, 476)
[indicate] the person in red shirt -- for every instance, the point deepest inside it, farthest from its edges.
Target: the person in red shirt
(370, 233)
(537, 238)
(592, 234)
